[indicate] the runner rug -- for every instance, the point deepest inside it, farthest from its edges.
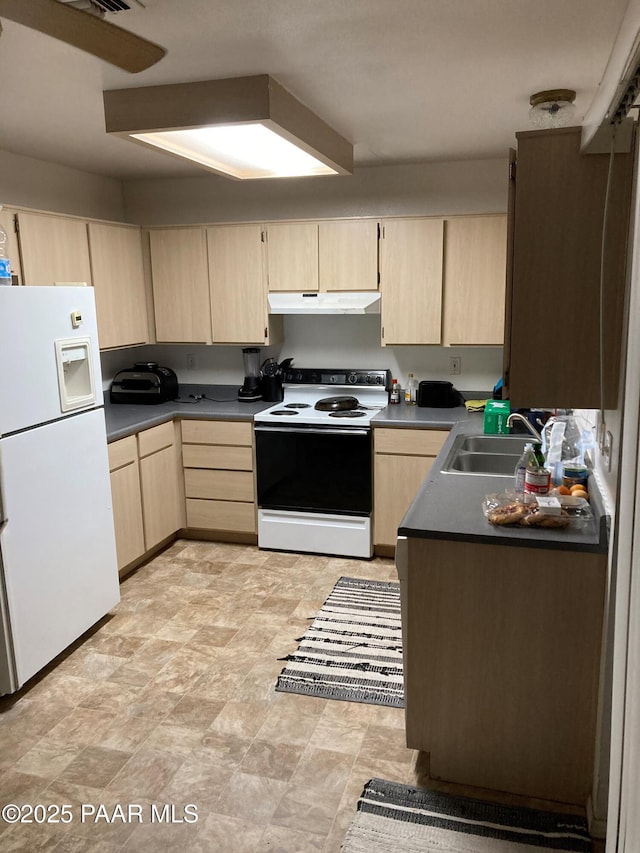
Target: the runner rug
(353, 649)
(411, 820)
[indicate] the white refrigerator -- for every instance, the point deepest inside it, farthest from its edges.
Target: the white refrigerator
(58, 567)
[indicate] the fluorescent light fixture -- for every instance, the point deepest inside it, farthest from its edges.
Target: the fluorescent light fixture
(242, 127)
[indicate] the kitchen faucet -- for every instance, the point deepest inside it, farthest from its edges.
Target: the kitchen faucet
(517, 416)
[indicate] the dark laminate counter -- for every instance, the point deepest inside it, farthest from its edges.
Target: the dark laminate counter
(449, 506)
(218, 402)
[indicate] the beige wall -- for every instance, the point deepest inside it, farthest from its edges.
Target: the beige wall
(427, 189)
(26, 182)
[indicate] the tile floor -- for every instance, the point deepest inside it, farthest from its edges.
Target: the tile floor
(171, 701)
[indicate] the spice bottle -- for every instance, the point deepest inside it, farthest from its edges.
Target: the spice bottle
(395, 392)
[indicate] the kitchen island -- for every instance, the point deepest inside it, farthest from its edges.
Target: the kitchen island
(502, 631)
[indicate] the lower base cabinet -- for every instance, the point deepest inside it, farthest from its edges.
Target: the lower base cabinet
(403, 458)
(146, 490)
(502, 659)
(218, 475)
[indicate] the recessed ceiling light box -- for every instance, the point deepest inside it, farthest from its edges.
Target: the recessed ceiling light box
(242, 127)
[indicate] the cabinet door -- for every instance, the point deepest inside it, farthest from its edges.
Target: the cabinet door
(8, 222)
(118, 279)
(553, 354)
(160, 496)
(475, 280)
(180, 285)
(411, 281)
(238, 284)
(54, 249)
(292, 256)
(397, 479)
(126, 499)
(348, 255)
(127, 513)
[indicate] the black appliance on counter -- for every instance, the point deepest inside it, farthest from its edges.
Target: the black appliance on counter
(438, 395)
(145, 382)
(271, 379)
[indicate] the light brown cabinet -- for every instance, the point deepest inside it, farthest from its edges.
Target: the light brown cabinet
(119, 284)
(218, 475)
(474, 280)
(402, 460)
(348, 255)
(161, 483)
(237, 281)
(126, 499)
(552, 352)
(8, 222)
(180, 273)
(502, 652)
(146, 489)
(411, 257)
(54, 249)
(292, 256)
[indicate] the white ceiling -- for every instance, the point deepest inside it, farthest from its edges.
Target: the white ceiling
(405, 80)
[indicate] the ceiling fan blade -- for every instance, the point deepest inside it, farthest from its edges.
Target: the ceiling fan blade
(87, 32)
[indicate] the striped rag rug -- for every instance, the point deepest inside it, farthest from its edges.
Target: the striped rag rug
(405, 819)
(353, 649)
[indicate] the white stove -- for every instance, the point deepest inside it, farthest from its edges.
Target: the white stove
(314, 464)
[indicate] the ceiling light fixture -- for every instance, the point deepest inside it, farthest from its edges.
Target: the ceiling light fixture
(552, 108)
(242, 127)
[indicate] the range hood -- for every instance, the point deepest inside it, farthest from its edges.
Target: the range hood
(324, 303)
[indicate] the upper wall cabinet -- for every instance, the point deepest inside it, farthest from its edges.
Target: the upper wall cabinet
(119, 284)
(474, 280)
(54, 249)
(411, 280)
(238, 284)
(179, 269)
(552, 351)
(348, 255)
(8, 222)
(292, 256)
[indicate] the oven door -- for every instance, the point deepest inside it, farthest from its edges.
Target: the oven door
(314, 469)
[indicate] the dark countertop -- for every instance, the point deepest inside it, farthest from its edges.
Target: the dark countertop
(219, 402)
(420, 418)
(449, 506)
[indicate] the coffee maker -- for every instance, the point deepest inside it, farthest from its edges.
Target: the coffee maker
(250, 391)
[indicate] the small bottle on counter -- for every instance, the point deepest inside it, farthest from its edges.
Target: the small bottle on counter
(521, 468)
(394, 397)
(410, 390)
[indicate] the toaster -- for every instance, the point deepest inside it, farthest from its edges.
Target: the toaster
(438, 395)
(145, 382)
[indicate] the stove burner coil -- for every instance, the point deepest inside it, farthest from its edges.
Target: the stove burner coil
(281, 412)
(347, 414)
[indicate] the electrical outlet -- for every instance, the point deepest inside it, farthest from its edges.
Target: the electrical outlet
(191, 361)
(455, 364)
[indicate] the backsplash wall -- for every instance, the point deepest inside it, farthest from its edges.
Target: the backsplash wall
(322, 341)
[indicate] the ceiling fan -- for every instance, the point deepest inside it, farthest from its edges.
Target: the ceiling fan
(84, 30)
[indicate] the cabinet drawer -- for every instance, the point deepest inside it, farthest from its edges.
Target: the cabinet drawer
(412, 442)
(156, 438)
(122, 452)
(221, 485)
(220, 456)
(217, 432)
(221, 515)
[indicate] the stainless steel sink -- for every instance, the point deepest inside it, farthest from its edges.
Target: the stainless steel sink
(499, 464)
(485, 455)
(513, 444)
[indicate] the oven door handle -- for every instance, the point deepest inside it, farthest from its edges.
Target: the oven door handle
(312, 430)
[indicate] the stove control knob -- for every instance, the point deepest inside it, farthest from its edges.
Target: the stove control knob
(369, 379)
(352, 378)
(288, 377)
(298, 377)
(332, 379)
(379, 380)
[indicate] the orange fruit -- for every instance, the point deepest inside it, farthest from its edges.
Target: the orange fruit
(580, 493)
(578, 487)
(563, 490)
